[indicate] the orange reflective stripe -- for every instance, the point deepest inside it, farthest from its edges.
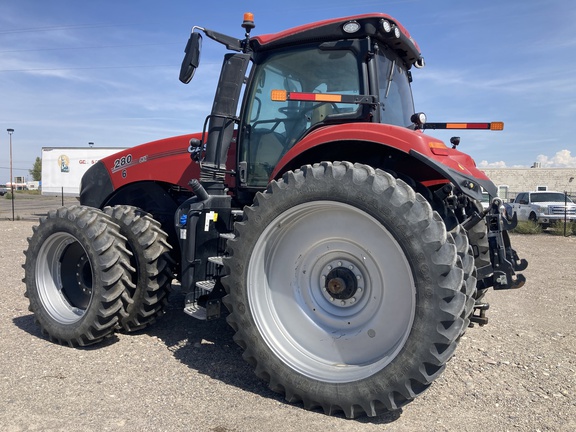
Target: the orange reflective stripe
(323, 97)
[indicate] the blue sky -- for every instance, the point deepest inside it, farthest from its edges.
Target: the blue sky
(106, 71)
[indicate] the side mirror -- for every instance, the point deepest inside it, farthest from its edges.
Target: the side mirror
(191, 57)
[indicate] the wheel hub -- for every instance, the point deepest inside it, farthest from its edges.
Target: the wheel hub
(84, 275)
(76, 276)
(341, 283)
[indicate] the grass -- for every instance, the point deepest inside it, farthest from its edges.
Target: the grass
(558, 228)
(26, 193)
(527, 227)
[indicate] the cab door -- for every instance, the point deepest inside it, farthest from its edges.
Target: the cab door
(270, 128)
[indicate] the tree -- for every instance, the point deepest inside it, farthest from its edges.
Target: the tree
(36, 171)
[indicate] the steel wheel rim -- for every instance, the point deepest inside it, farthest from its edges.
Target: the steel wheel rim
(64, 278)
(296, 302)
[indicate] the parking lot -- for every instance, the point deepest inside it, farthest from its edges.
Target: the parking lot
(30, 207)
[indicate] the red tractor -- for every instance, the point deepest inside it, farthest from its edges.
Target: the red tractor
(349, 248)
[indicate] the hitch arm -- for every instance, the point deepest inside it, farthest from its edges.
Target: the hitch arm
(504, 259)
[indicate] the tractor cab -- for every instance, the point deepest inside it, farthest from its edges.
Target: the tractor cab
(297, 90)
(338, 71)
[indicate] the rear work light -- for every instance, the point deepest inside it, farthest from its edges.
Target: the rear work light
(351, 27)
(386, 26)
(390, 29)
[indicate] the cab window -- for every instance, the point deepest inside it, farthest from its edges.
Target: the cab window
(271, 128)
(396, 104)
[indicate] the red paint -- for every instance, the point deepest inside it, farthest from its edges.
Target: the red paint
(166, 160)
(387, 135)
(270, 38)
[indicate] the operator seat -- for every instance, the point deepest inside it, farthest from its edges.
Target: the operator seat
(320, 113)
(267, 149)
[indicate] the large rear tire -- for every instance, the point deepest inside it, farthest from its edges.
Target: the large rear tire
(344, 289)
(146, 298)
(76, 269)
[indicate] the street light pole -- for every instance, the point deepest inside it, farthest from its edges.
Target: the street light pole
(10, 132)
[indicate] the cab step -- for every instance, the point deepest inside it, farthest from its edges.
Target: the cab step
(195, 311)
(212, 310)
(216, 260)
(206, 285)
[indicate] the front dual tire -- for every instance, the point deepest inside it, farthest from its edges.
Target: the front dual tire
(90, 272)
(76, 271)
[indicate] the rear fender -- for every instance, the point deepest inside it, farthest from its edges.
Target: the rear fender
(422, 157)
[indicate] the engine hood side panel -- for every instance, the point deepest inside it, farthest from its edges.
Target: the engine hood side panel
(167, 161)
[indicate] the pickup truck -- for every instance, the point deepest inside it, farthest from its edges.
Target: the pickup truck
(544, 207)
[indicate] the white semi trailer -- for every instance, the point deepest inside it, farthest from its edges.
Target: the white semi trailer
(63, 167)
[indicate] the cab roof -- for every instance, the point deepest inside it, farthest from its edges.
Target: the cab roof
(333, 29)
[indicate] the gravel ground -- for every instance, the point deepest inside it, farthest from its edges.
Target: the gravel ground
(30, 207)
(518, 373)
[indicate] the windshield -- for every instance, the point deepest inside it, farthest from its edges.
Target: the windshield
(270, 128)
(394, 90)
(549, 197)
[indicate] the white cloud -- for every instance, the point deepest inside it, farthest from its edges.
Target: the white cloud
(486, 164)
(562, 159)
